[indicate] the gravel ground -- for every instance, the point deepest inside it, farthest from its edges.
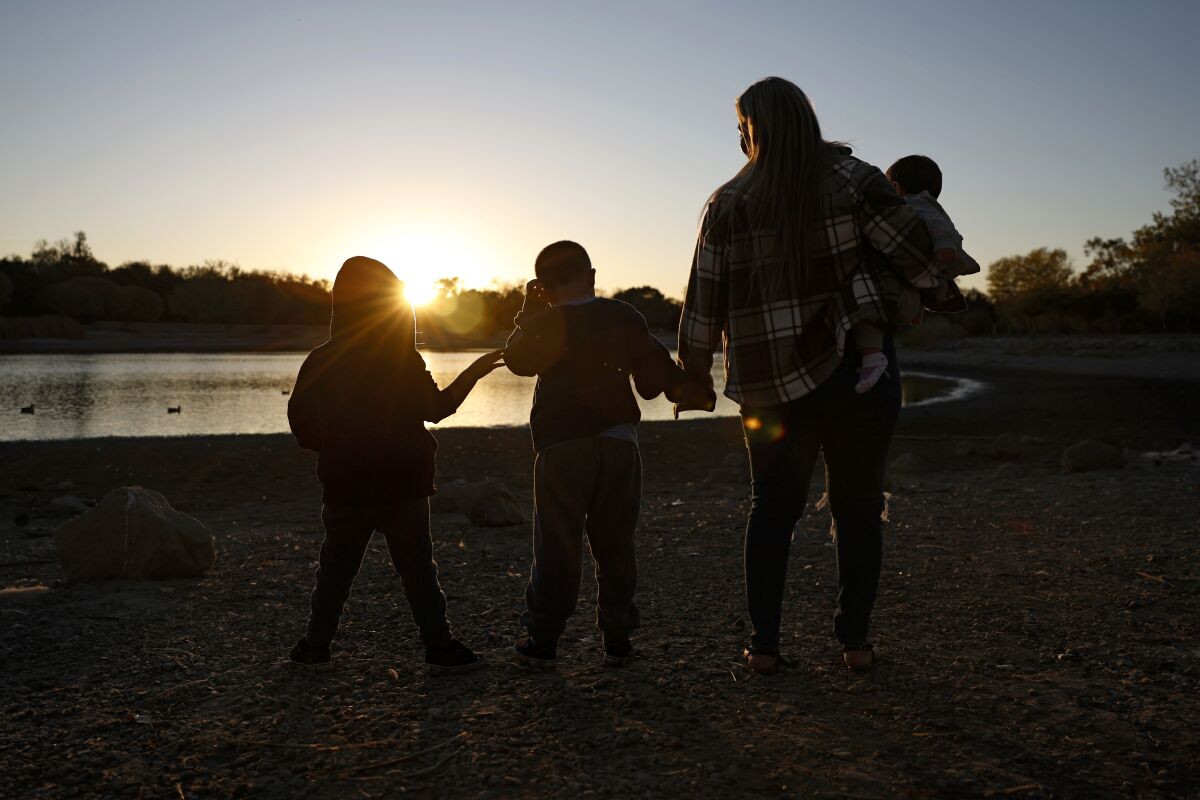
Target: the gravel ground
(1037, 629)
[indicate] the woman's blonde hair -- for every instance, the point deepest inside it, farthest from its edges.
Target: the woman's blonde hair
(780, 182)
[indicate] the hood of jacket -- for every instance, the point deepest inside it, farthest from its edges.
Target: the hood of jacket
(369, 310)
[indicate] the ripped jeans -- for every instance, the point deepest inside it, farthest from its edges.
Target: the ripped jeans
(854, 432)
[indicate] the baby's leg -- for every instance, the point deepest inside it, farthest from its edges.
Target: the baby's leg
(872, 362)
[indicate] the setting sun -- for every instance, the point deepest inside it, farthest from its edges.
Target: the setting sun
(422, 258)
(419, 293)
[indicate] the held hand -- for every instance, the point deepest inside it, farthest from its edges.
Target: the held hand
(485, 364)
(693, 395)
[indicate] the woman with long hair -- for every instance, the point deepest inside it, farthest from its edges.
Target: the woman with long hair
(781, 275)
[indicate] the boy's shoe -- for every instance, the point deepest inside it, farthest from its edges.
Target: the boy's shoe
(536, 656)
(453, 657)
(618, 652)
(310, 656)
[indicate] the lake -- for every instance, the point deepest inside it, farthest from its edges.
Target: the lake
(86, 396)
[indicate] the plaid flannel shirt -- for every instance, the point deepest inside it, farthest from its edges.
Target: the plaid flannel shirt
(781, 348)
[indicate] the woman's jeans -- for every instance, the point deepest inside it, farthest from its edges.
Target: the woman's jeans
(854, 431)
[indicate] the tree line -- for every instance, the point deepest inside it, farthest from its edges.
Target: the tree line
(66, 281)
(1149, 282)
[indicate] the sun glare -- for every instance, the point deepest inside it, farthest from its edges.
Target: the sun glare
(419, 294)
(422, 258)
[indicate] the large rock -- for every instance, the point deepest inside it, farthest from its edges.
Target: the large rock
(487, 503)
(133, 533)
(1090, 455)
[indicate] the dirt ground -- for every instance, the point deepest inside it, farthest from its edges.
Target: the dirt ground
(1037, 629)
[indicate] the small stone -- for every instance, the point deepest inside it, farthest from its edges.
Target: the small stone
(1006, 446)
(69, 503)
(1091, 455)
(1010, 472)
(966, 447)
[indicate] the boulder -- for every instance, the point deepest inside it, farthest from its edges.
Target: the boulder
(1091, 455)
(133, 533)
(487, 503)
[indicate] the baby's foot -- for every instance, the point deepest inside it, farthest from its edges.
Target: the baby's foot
(874, 366)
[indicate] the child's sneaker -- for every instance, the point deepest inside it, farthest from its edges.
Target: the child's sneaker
(874, 366)
(310, 656)
(618, 652)
(536, 656)
(453, 657)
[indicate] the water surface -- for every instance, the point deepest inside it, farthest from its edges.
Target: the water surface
(84, 396)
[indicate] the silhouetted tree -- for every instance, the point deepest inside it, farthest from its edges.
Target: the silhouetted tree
(1037, 271)
(661, 312)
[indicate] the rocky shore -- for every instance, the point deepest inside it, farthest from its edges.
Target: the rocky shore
(1036, 626)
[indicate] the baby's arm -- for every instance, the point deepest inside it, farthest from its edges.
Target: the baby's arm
(947, 241)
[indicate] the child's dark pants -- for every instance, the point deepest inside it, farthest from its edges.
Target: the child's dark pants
(591, 486)
(405, 527)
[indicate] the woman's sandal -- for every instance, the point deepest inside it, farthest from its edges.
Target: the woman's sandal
(859, 658)
(763, 663)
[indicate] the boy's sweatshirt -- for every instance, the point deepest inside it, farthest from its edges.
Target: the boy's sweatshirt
(583, 355)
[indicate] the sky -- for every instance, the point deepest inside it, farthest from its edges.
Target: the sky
(457, 139)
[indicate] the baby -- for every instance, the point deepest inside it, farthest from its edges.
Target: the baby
(919, 181)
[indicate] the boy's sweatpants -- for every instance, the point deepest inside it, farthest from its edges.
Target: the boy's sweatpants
(589, 486)
(405, 527)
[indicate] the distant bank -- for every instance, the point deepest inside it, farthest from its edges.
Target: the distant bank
(183, 337)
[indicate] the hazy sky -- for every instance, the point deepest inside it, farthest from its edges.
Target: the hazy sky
(456, 138)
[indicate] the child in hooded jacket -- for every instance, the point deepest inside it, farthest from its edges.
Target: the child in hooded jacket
(361, 401)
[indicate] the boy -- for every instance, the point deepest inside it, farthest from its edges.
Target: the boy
(917, 179)
(587, 472)
(361, 401)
